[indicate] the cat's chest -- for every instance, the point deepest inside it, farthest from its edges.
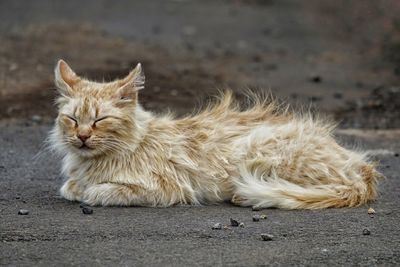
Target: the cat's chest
(97, 171)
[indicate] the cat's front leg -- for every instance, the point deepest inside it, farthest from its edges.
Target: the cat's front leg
(112, 194)
(71, 190)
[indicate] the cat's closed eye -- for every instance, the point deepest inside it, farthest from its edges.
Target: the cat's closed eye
(71, 119)
(100, 119)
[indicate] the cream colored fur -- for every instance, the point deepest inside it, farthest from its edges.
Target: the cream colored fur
(260, 156)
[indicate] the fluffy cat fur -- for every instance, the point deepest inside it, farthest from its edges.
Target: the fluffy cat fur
(116, 153)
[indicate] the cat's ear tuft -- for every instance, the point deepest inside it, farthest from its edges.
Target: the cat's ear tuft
(129, 86)
(134, 79)
(65, 78)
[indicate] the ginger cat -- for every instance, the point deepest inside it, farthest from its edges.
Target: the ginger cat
(116, 153)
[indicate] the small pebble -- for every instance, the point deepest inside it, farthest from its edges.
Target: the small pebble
(234, 223)
(338, 95)
(316, 79)
(36, 118)
(366, 232)
(87, 210)
(314, 98)
(263, 216)
(267, 237)
(217, 226)
(371, 211)
(23, 212)
(256, 218)
(241, 225)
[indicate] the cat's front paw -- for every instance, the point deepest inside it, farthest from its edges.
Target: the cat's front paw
(238, 200)
(100, 195)
(71, 191)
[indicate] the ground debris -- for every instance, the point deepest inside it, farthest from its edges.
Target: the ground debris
(87, 210)
(371, 211)
(267, 237)
(258, 217)
(36, 118)
(23, 212)
(217, 226)
(366, 231)
(316, 78)
(234, 223)
(379, 110)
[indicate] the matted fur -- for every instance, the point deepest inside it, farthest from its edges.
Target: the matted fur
(261, 156)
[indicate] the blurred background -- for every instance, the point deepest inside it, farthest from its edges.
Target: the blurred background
(340, 57)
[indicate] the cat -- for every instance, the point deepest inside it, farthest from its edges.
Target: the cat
(117, 154)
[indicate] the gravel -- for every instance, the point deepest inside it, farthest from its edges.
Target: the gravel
(23, 212)
(371, 211)
(87, 210)
(366, 232)
(234, 223)
(316, 79)
(258, 217)
(267, 237)
(217, 226)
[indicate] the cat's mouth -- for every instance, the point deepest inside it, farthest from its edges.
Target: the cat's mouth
(85, 147)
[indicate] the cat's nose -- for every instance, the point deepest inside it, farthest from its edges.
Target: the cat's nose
(83, 137)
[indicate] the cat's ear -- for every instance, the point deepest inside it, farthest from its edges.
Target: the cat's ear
(65, 78)
(129, 86)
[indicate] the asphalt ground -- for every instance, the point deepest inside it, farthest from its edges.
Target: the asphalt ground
(56, 232)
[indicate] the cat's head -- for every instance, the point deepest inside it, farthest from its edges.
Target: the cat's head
(95, 118)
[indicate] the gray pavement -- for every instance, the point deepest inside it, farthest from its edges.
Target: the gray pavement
(56, 232)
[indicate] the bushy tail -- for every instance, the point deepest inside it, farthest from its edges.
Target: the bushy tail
(255, 190)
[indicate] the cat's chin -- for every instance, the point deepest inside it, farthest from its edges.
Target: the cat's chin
(85, 151)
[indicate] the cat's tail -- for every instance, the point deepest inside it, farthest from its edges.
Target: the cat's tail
(258, 191)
